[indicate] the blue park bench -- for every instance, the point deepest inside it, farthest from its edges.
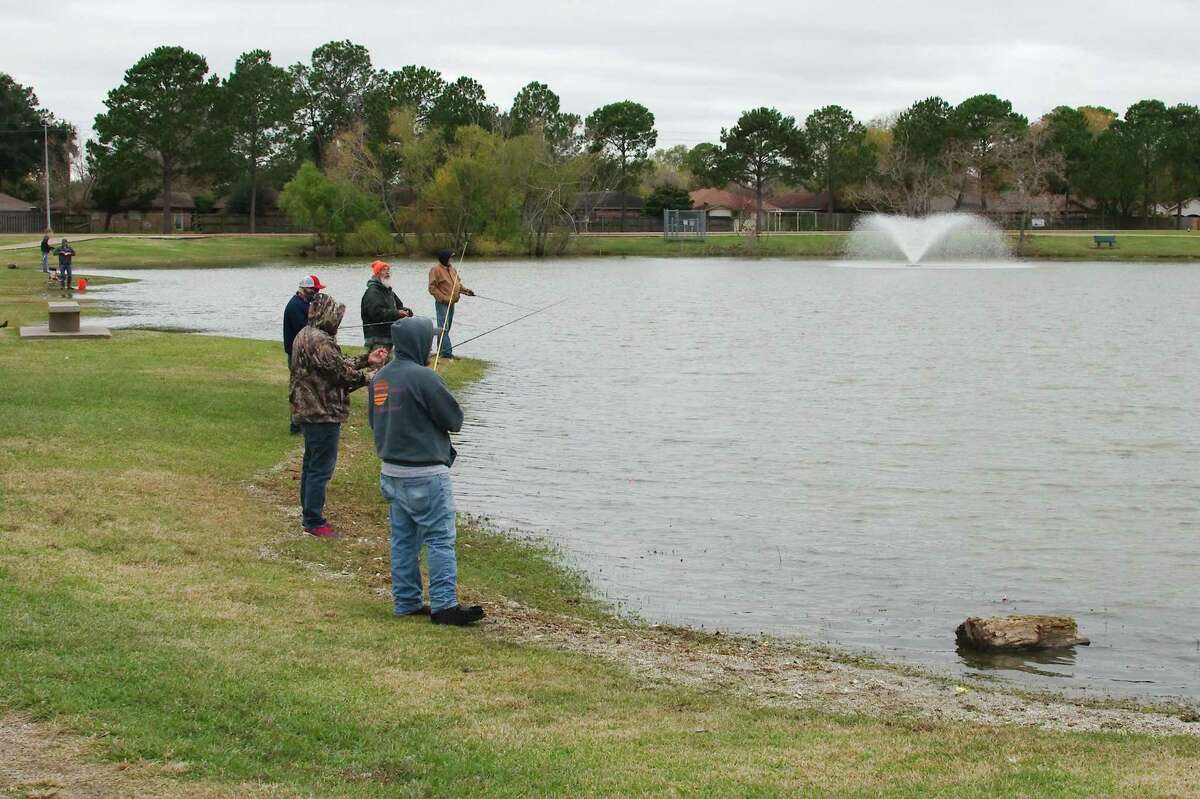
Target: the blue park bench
(1111, 241)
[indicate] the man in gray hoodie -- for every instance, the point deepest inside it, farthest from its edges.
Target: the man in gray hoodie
(412, 414)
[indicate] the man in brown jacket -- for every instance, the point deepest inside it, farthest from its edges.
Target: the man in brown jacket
(319, 390)
(446, 289)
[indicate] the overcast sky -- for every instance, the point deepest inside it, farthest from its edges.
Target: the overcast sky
(695, 64)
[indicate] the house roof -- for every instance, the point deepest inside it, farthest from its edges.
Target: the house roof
(10, 203)
(802, 200)
(1190, 208)
(1005, 202)
(180, 201)
(596, 200)
(709, 199)
(267, 198)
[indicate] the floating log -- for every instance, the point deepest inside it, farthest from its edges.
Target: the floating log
(1008, 633)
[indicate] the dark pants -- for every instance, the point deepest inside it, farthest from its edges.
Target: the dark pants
(64, 276)
(320, 457)
(445, 318)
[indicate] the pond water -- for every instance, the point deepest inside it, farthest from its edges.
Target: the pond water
(848, 453)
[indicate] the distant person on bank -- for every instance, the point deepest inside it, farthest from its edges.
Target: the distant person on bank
(295, 317)
(381, 307)
(412, 414)
(446, 288)
(65, 254)
(319, 391)
(46, 248)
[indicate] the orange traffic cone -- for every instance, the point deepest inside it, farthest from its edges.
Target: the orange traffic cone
(82, 285)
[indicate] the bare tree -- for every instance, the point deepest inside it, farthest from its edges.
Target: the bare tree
(1028, 164)
(907, 182)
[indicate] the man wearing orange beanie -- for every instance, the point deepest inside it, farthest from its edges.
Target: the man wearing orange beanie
(380, 307)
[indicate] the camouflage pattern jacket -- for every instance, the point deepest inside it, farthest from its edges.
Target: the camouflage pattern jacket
(322, 377)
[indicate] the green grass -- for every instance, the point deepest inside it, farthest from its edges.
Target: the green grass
(150, 598)
(1131, 245)
(814, 245)
(24, 294)
(142, 252)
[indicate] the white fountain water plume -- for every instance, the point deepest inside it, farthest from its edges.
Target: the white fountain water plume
(937, 238)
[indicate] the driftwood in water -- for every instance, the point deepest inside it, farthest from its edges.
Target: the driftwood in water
(1000, 634)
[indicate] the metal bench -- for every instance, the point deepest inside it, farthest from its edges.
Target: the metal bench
(1111, 241)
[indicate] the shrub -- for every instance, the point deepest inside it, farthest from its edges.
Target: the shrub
(204, 203)
(669, 197)
(369, 238)
(329, 208)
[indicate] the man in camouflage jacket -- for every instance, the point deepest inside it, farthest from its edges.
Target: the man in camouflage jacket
(321, 381)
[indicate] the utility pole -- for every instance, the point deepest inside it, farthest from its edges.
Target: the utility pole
(46, 169)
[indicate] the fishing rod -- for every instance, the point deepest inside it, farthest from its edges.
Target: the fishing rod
(509, 322)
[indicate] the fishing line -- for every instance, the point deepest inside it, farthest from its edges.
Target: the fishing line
(503, 302)
(509, 322)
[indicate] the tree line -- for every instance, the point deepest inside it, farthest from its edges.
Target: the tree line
(364, 155)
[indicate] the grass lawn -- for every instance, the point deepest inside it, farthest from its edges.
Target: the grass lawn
(155, 594)
(1132, 245)
(134, 252)
(806, 245)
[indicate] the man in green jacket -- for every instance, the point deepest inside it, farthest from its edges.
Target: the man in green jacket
(381, 307)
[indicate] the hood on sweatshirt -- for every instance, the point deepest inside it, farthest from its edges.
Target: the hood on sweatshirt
(413, 339)
(325, 313)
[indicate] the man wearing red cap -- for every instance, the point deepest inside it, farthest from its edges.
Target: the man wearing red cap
(380, 307)
(295, 317)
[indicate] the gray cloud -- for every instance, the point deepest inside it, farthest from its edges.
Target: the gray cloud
(696, 65)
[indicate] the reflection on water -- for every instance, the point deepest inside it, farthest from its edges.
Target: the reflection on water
(856, 455)
(1026, 661)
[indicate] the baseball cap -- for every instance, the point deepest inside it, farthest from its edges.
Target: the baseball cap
(378, 267)
(312, 282)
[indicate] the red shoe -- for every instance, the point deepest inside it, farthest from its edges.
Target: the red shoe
(324, 531)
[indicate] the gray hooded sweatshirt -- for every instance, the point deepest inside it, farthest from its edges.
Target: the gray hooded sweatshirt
(410, 409)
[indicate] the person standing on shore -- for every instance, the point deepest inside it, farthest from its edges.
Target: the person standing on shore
(319, 391)
(65, 254)
(46, 248)
(412, 413)
(380, 307)
(446, 288)
(295, 317)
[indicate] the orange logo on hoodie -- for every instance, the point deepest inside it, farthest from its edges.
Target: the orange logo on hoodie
(381, 391)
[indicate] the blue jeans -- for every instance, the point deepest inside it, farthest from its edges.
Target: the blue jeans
(320, 457)
(64, 276)
(440, 308)
(421, 511)
(46, 261)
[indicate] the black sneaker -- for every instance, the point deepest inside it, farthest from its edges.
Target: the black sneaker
(421, 611)
(459, 616)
